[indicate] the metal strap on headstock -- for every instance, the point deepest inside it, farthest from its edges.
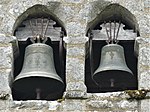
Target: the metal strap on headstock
(39, 37)
(112, 32)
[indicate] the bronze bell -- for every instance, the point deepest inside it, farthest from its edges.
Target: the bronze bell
(38, 73)
(113, 73)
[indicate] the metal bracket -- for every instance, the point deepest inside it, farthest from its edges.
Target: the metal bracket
(39, 37)
(112, 39)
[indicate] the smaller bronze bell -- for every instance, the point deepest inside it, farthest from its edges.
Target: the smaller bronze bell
(113, 73)
(38, 74)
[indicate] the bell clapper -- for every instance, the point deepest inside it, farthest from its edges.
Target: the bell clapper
(38, 93)
(112, 82)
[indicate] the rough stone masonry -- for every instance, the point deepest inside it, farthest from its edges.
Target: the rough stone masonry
(77, 16)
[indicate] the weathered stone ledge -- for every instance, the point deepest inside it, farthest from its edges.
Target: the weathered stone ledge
(111, 101)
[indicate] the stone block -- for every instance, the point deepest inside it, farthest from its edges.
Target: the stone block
(146, 3)
(111, 101)
(144, 65)
(75, 90)
(144, 26)
(126, 104)
(76, 50)
(144, 54)
(109, 95)
(6, 39)
(5, 83)
(4, 105)
(76, 29)
(100, 104)
(6, 56)
(72, 105)
(144, 105)
(37, 105)
(140, 42)
(79, 86)
(7, 23)
(74, 69)
(144, 80)
(76, 40)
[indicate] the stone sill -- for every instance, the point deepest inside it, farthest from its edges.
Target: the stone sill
(94, 101)
(35, 105)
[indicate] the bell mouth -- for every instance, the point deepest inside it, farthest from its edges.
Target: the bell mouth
(30, 84)
(50, 88)
(122, 80)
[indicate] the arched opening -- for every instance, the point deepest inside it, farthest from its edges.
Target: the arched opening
(113, 13)
(39, 19)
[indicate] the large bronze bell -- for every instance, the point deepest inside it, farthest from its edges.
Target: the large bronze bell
(38, 73)
(113, 73)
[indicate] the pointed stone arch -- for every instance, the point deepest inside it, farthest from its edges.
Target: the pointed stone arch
(38, 11)
(115, 12)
